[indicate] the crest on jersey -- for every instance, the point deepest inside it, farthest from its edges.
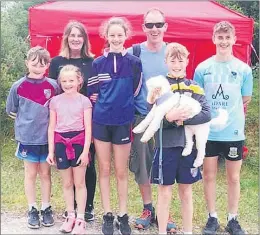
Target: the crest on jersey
(47, 93)
(194, 172)
(233, 152)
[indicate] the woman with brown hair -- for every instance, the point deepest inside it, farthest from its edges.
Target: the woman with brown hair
(76, 50)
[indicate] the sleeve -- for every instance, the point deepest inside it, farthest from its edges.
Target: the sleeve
(12, 102)
(86, 103)
(53, 69)
(198, 76)
(93, 81)
(137, 77)
(53, 104)
(247, 86)
(204, 115)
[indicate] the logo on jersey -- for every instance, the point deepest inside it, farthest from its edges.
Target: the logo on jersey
(220, 93)
(194, 172)
(234, 74)
(233, 152)
(60, 159)
(47, 93)
(24, 153)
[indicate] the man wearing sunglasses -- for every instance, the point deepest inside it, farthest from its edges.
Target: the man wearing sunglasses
(151, 52)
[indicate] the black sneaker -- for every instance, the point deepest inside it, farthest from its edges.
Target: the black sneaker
(34, 218)
(108, 224)
(234, 228)
(89, 215)
(123, 225)
(212, 226)
(47, 217)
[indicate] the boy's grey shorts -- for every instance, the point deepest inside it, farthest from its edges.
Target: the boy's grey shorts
(141, 156)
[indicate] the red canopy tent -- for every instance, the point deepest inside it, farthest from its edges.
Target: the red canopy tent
(190, 23)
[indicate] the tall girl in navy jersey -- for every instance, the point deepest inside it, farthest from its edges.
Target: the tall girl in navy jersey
(117, 80)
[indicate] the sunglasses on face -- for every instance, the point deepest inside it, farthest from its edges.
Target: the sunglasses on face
(157, 25)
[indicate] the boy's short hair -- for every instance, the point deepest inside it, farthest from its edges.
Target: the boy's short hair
(224, 26)
(39, 53)
(175, 49)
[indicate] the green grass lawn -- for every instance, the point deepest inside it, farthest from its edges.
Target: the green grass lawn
(13, 198)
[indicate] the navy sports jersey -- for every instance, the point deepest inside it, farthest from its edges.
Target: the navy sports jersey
(27, 102)
(117, 78)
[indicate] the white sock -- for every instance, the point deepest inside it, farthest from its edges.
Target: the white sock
(33, 205)
(80, 216)
(213, 214)
(187, 232)
(45, 205)
(231, 216)
(71, 214)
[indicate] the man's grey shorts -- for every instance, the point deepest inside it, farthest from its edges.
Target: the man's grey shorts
(141, 157)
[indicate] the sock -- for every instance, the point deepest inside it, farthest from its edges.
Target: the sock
(80, 216)
(121, 214)
(45, 205)
(231, 216)
(33, 205)
(71, 214)
(148, 206)
(187, 232)
(213, 214)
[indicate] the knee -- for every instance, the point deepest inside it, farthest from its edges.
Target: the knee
(209, 176)
(45, 176)
(68, 184)
(185, 196)
(121, 174)
(104, 171)
(233, 179)
(30, 174)
(80, 185)
(165, 193)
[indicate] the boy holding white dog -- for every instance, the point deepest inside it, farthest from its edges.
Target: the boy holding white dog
(176, 167)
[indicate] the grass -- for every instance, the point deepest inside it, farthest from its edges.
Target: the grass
(13, 198)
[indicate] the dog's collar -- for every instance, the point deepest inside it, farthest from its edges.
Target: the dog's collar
(164, 97)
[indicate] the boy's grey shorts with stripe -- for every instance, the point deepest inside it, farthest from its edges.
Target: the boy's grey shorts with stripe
(141, 156)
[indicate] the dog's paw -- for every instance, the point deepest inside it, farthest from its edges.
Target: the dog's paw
(186, 151)
(144, 140)
(138, 130)
(198, 162)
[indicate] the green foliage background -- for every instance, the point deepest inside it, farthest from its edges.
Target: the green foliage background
(14, 45)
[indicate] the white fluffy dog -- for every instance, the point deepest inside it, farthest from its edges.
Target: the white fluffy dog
(165, 100)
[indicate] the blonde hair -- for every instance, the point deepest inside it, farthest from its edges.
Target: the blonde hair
(154, 9)
(224, 26)
(123, 22)
(71, 68)
(176, 50)
(39, 53)
(86, 48)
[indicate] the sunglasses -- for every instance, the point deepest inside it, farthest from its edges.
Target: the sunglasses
(157, 25)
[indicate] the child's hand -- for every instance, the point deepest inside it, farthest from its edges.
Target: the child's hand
(94, 97)
(83, 159)
(50, 159)
(178, 114)
(156, 92)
